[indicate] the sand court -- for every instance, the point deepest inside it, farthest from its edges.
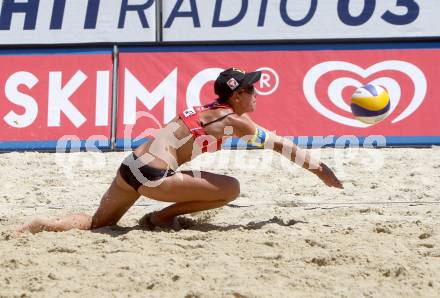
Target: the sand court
(287, 233)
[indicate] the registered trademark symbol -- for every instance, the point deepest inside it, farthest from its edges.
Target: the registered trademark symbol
(269, 81)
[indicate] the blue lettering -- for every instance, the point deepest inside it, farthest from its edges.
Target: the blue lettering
(92, 14)
(412, 14)
(140, 8)
(30, 9)
(374, 141)
(262, 15)
(297, 23)
(216, 22)
(56, 22)
(193, 13)
(347, 141)
(348, 19)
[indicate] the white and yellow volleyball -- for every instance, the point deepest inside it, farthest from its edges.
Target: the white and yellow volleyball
(370, 104)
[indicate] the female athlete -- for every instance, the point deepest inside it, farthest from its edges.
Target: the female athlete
(150, 170)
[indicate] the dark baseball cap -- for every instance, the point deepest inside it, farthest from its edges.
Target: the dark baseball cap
(232, 79)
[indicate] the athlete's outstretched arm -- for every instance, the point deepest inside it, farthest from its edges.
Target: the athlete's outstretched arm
(303, 158)
(263, 138)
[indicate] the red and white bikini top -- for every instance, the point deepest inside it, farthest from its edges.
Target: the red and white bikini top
(191, 119)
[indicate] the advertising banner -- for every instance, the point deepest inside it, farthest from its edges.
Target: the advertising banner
(220, 20)
(55, 100)
(76, 22)
(301, 93)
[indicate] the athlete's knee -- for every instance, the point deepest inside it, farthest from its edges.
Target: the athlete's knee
(232, 191)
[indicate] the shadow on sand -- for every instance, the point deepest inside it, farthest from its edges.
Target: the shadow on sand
(194, 225)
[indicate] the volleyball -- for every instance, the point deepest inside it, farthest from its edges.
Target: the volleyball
(370, 104)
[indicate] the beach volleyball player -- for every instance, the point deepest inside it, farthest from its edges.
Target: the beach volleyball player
(151, 169)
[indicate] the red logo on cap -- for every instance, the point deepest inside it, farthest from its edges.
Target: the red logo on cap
(232, 83)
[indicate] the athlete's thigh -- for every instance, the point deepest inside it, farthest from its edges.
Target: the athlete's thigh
(187, 186)
(118, 198)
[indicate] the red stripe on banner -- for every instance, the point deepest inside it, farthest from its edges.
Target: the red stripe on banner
(302, 93)
(49, 97)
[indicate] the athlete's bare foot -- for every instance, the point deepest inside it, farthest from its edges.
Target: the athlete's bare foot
(36, 226)
(145, 222)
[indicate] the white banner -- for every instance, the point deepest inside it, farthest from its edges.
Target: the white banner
(76, 21)
(216, 20)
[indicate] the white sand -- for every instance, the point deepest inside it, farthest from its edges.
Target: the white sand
(286, 235)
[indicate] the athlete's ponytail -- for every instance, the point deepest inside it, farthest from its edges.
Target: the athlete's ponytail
(222, 100)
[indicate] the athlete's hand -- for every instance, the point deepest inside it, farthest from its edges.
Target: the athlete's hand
(327, 176)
